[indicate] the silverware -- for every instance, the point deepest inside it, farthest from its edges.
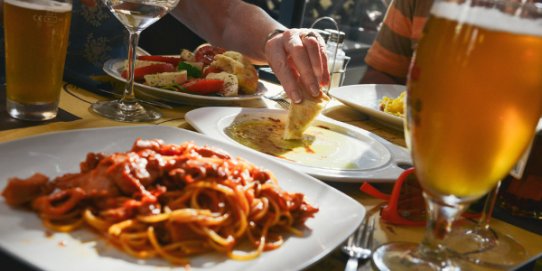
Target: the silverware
(359, 245)
(279, 98)
(153, 103)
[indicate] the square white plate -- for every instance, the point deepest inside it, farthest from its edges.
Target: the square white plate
(23, 235)
(366, 99)
(378, 160)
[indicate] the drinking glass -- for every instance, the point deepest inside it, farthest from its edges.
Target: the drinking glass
(36, 41)
(474, 97)
(135, 15)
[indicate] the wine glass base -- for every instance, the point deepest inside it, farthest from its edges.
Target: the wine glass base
(125, 112)
(486, 247)
(408, 256)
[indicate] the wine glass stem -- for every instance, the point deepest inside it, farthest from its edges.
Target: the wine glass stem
(489, 205)
(441, 218)
(128, 97)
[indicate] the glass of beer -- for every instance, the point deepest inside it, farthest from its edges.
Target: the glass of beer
(474, 97)
(36, 39)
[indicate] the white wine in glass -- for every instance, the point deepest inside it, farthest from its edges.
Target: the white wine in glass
(135, 15)
(474, 97)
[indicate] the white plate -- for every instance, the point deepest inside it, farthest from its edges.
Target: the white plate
(23, 235)
(379, 161)
(114, 67)
(366, 98)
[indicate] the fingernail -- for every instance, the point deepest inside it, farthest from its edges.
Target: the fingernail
(296, 98)
(315, 89)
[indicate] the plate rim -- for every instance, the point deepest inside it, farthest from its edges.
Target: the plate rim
(361, 210)
(387, 173)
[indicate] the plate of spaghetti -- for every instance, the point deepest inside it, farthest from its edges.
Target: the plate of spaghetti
(155, 197)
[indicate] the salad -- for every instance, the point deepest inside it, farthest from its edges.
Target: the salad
(208, 70)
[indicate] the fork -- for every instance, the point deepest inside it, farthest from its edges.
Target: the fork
(280, 98)
(283, 103)
(359, 245)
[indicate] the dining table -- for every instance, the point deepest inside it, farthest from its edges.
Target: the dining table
(75, 113)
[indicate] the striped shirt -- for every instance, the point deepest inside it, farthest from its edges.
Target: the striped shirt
(392, 50)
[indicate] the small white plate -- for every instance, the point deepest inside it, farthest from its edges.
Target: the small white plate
(23, 235)
(114, 67)
(366, 99)
(377, 160)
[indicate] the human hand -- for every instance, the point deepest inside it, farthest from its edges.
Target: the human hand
(298, 59)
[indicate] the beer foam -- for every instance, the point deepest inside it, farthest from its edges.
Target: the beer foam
(487, 18)
(47, 5)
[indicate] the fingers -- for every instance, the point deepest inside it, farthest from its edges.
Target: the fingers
(299, 61)
(312, 48)
(279, 62)
(315, 46)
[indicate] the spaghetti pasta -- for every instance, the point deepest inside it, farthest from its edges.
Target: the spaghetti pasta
(169, 201)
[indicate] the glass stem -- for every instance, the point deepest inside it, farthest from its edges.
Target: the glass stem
(489, 205)
(439, 224)
(128, 97)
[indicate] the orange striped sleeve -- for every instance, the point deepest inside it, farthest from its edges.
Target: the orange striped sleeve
(397, 22)
(384, 60)
(403, 24)
(417, 27)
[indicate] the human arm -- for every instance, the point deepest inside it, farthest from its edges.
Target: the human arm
(299, 63)
(389, 57)
(373, 76)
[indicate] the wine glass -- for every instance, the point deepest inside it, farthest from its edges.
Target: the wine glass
(135, 15)
(474, 97)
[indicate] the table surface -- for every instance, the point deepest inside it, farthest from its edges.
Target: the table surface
(75, 103)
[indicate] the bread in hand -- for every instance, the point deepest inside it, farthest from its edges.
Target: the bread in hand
(301, 115)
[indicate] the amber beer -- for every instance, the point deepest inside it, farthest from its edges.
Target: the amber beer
(474, 98)
(36, 39)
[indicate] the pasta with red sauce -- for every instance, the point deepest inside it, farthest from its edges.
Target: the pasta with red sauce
(169, 201)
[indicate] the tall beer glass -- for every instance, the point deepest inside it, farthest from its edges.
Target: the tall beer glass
(36, 39)
(474, 97)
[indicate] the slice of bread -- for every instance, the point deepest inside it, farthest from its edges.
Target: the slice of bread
(301, 115)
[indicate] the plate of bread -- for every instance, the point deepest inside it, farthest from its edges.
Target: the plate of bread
(306, 141)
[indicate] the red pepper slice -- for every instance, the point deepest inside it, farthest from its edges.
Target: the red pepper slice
(140, 72)
(204, 86)
(206, 53)
(167, 59)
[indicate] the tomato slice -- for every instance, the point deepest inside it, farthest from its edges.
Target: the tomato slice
(167, 59)
(211, 69)
(206, 53)
(204, 86)
(140, 72)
